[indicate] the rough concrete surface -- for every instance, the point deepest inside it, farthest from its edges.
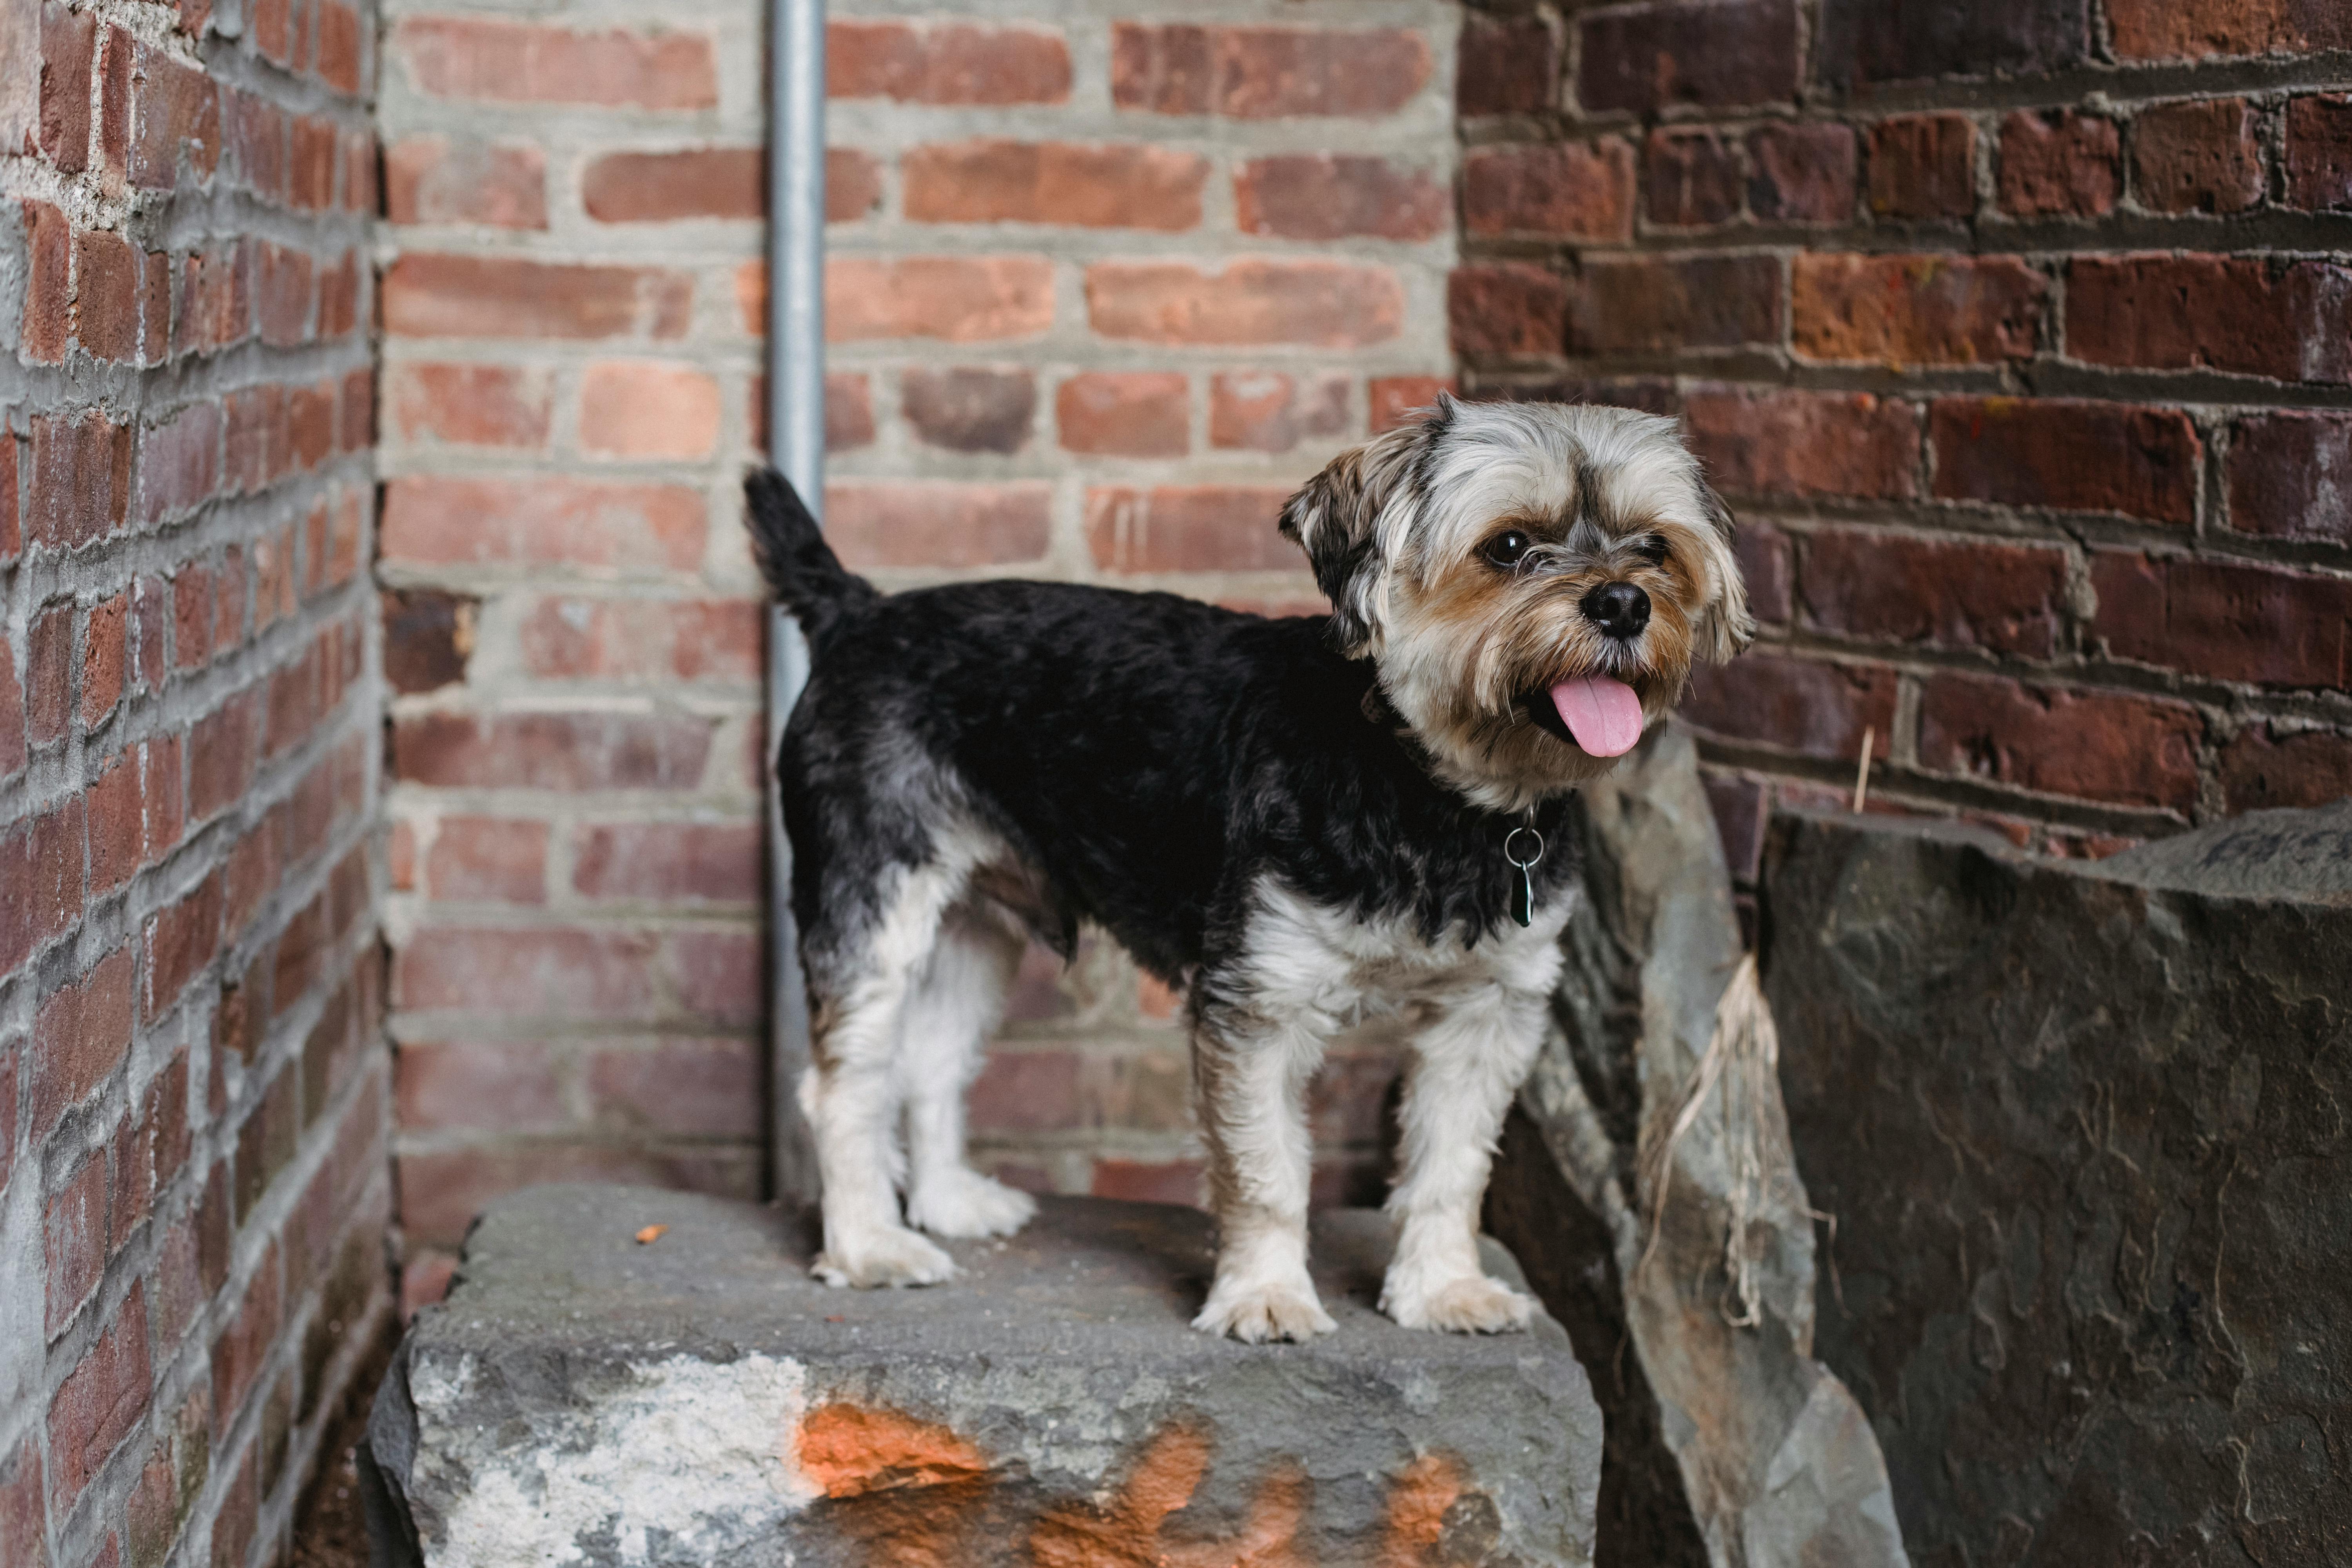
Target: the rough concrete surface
(584, 1398)
(1729, 1445)
(2084, 1128)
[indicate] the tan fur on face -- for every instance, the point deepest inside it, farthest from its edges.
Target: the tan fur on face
(1397, 529)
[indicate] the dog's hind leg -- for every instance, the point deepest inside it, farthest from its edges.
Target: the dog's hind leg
(955, 1006)
(1467, 1064)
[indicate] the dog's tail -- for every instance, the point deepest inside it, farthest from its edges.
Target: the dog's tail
(803, 571)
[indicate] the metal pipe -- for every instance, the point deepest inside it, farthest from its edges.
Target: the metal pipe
(796, 440)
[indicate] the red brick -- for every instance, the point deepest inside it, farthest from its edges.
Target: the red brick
(339, 45)
(68, 39)
(721, 976)
(937, 525)
(180, 463)
(2198, 156)
(1690, 179)
(507, 1086)
(255, 132)
(1644, 305)
(2224, 620)
(2319, 153)
(567, 752)
(238, 1518)
(688, 1088)
(1144, 1181)
(222, 749)
(2265, 767)
(560, 973)
(1915, 310)
(104, 659)
(1570, 191)
(969, 408)
(1117, 185)
(448, 521)
(1810, 707)
(178, 940)
(281, 295)
(1892, 587)
(1646, 57)
(178, 120)
(516, 62)
(1264, 73)
(1270, 412)
(114, 824)
(945, 62)
(1801, 174)
(1923, 166)
(431, 179)
(646, 641)
(1125, 414)
(1805, 443)
(961, 299)
(47, 323)
(48, 668)
(428, 634)
(2073, 455)
(510, 297)
(310, 425)
(2059, 163)
(99, 1402)
(1322, 195)
(2131, 751)
(13, 752)
(215, 300)
(81, 1036)
(12, 534)
(1189, 528)
(81, 487)
(149, 615)
(648, 410)
(2248, 315)
(106, 286)
(1029, 1092)
(2291, 476)
(1320, 304)
(1505, 65)
(117, 76)
(695, 182)
(1507, 308)
(239, 1354)
(852, 184)
(469, 405)
(670, 862)
(311, 174)
(1394, 400)
(2176, 29)
(24, 1522)
(41, 866)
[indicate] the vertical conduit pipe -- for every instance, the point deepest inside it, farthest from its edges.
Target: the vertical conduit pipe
(796, 440)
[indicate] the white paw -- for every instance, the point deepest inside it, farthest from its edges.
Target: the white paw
(965, 1204)
(1255, 1313)
(886, 1256)
(1471, 1305)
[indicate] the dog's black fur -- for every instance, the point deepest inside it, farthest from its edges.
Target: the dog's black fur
(1147, 758)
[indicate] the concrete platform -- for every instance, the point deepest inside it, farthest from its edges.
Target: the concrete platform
(584, 1398)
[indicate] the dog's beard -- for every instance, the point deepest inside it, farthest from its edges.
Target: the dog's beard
(1474, 667)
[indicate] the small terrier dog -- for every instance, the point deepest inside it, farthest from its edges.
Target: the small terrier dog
(1296, 822)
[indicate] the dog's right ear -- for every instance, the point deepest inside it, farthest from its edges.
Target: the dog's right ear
(1335, 518)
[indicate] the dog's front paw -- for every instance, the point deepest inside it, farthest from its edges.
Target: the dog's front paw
(891, 1256)
(1473, 1305)
(1258, 1312)
(967, 1203)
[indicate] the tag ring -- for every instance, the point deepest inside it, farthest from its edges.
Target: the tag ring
(1513, 837)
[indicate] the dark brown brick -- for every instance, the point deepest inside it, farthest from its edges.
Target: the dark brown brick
(1507, 308)
(2200, 156)
(1505, 65)
(1861, 44)
(2291, 476)
(2194, 29)
(1651, 305)
(968, 408)
(1923, 166)
(2076, 456)
(1690, 179)
(81, 479)
(1915, 310)
(2224, 620)
(1803, 173)
(2247, 315)
(2059, 163)
(1943, 593)
(2265, 767)
(1811, 707)
(2319, 153)
(1805, 443)
(1571, 191)
(2090, 746)
(1646, 57)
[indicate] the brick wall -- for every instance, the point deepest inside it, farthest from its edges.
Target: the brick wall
(1105, 285)
(193, 1105)
(2017, 332)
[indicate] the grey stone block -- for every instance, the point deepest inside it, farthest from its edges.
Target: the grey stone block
(2084, 1129)
(582, 1397)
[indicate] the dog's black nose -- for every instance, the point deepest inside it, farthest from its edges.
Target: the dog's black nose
(1619, 609)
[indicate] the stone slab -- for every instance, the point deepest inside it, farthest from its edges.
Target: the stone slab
(2086, 1131)
(582, 1397)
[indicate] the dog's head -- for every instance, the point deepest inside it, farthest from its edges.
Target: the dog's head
(1533, 582)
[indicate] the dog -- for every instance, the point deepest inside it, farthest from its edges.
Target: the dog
(1296, 822)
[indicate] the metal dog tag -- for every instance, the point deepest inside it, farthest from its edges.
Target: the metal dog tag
(1523, 897)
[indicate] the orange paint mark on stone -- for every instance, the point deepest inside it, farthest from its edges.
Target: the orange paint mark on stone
(651, 1234)
(1269, 1536)
(1124, 1533)
(1418, 1496)
(851, 1450)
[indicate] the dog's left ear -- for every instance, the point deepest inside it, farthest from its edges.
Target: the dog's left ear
(1334, 518)
(1725, 626)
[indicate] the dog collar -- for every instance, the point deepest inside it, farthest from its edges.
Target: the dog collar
(1523, 860)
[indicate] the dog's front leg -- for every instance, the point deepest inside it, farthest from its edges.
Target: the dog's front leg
(1467, 1064)
(1252, 1089)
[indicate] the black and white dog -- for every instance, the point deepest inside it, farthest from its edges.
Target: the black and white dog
(1296, 821)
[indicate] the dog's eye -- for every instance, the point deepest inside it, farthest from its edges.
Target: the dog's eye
(1506, 548)
(1651, 548)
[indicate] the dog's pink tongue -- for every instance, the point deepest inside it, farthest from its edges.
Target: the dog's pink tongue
(1604, 715)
